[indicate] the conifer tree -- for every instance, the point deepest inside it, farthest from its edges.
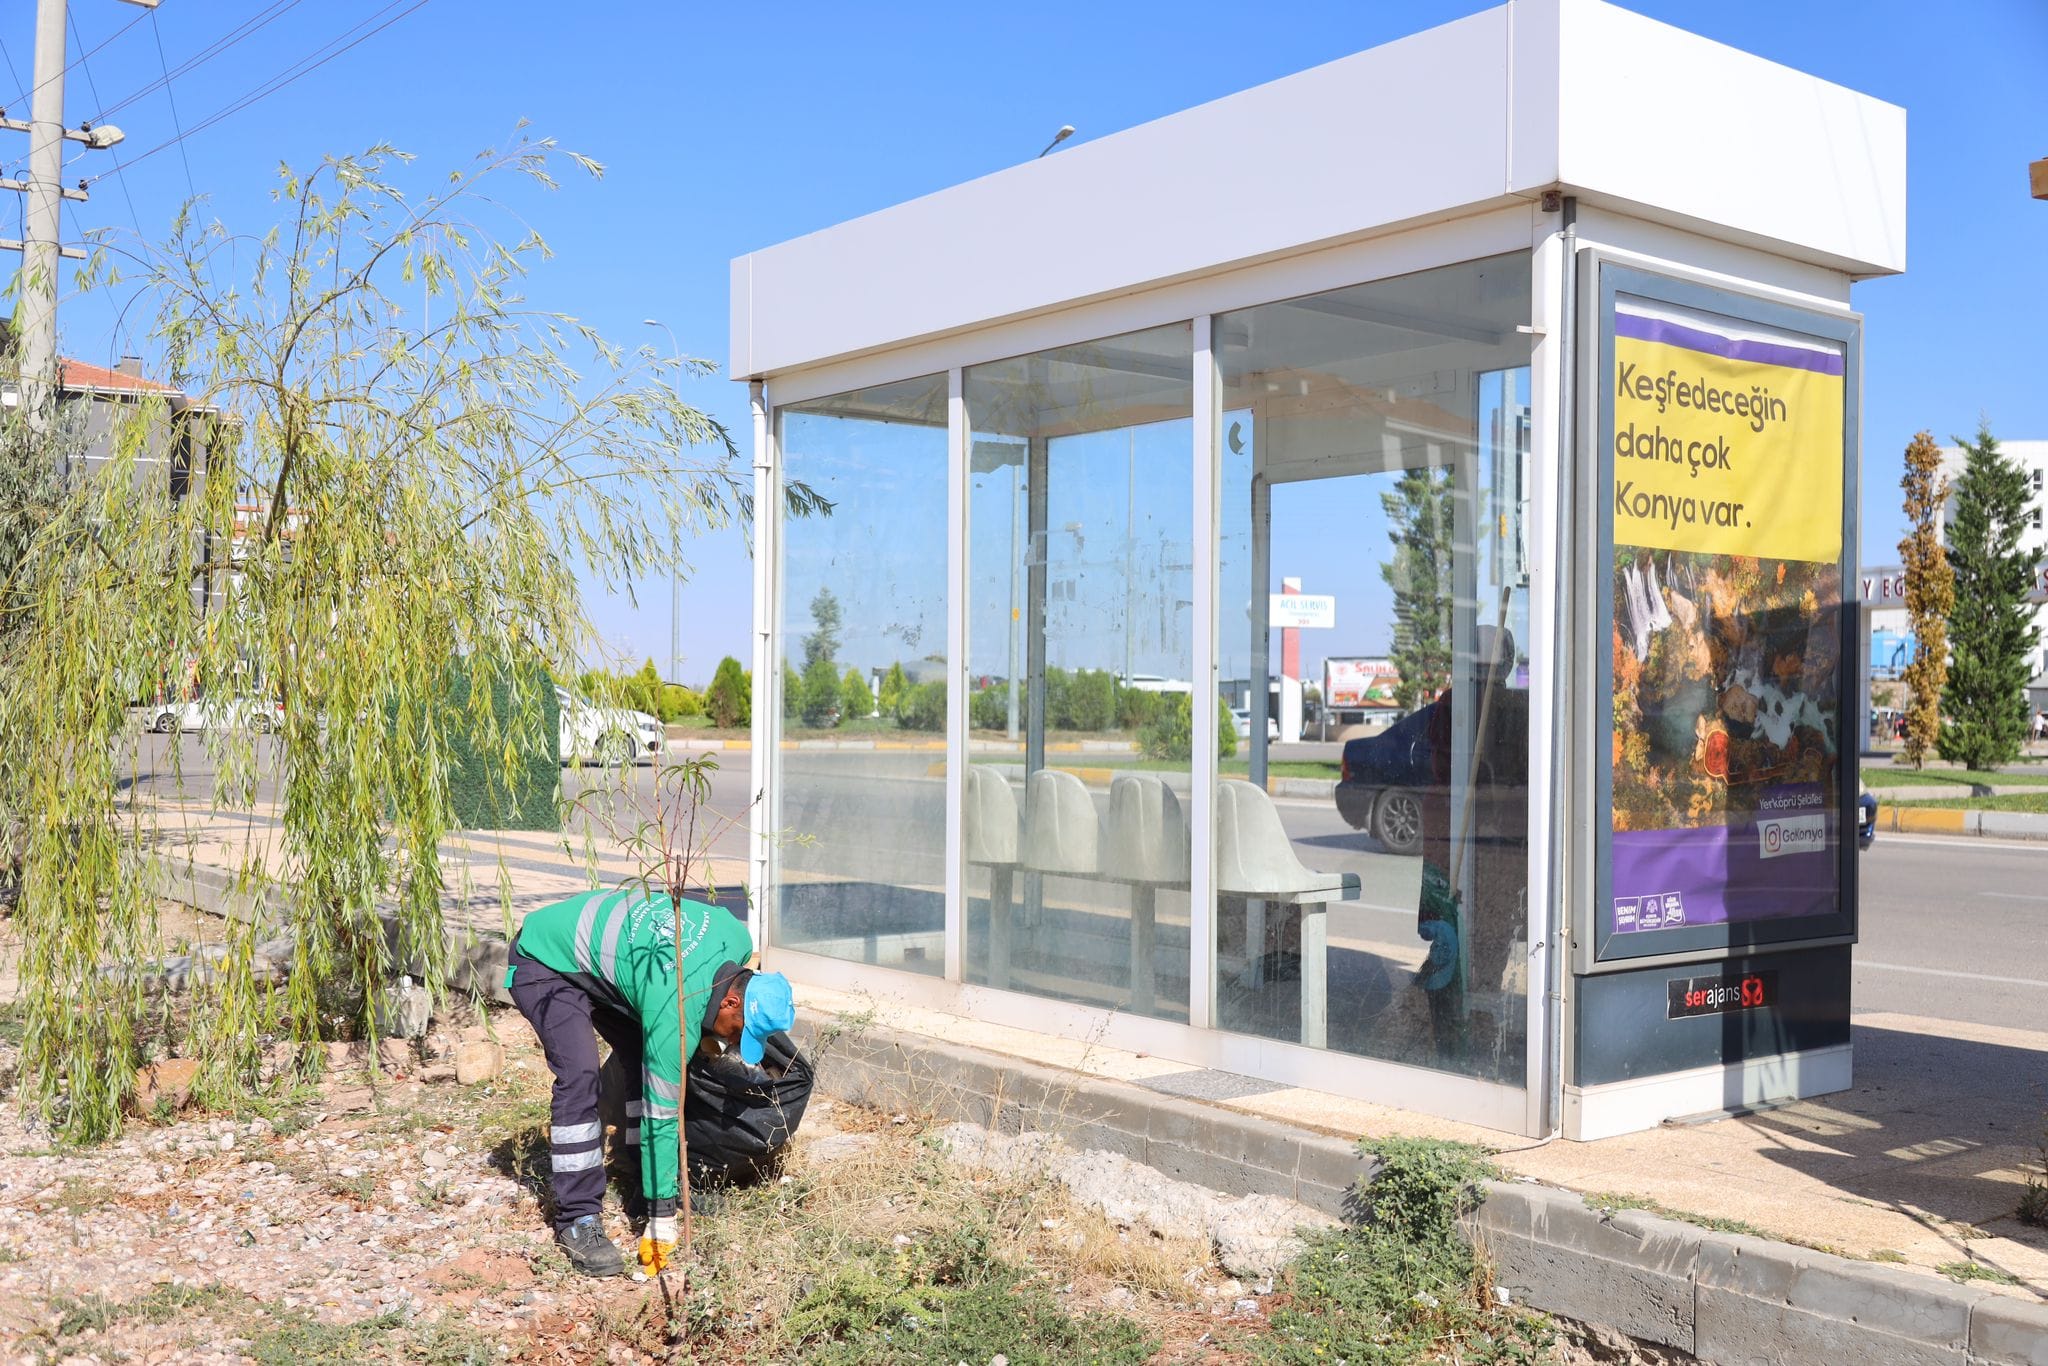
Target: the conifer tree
(1991, 626)
(1419, 524)
(1930, 596)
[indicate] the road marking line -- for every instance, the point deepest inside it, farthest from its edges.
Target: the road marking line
(1968, 842)
(1949, 972)
(2016, 896)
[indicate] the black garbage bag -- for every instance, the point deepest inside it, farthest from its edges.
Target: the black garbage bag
(738, 1118)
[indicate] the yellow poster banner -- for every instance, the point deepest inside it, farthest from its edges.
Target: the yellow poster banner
(1726, 441)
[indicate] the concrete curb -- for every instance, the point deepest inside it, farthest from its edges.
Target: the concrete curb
(476, 962)
(2008, 825)
(1936, 792)
(1723, 1297)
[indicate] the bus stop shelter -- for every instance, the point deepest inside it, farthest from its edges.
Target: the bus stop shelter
(1529, 340)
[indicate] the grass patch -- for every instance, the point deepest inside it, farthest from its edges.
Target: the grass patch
(2024, 801)
(1404, 1286)
(897, 1254)
(1876, 778)
(936, 1312)
(1609, 1200)
(97, 1313)
(2033, 1206)
(1886, 1254)
(293, 1337)
(1977, 1271)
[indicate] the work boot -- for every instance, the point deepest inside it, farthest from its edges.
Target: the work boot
(588, 1250)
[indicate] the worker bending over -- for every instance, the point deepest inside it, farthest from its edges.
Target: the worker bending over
(604, 962)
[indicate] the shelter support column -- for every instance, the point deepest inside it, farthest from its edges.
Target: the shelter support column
(767, 698)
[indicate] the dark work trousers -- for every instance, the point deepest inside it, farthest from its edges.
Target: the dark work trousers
(568, 1021)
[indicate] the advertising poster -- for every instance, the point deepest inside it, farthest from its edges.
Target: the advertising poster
(1727, 726)
(1360, 684)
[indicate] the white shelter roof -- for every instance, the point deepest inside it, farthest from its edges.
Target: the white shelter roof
(1579, 95)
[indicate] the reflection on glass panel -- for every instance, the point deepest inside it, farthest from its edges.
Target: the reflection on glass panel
(1080, 644)
(861, 794)
(1374, 447)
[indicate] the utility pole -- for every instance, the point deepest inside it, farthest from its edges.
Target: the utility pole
(41, 216)
(675, 574)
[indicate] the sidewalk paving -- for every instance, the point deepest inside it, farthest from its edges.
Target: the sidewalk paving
(1920, 1162)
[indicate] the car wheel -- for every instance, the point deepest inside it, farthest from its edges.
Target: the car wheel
(615, 751)
(1397, 822)
(163, 723)
(260, 723)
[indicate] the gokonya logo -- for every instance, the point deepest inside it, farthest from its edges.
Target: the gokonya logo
(1781, 835)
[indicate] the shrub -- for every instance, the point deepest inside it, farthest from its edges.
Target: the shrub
(729, 699)
(678, 702)
(989, 708)
(792, 693)
(890, 699)
(1136, 708)
(1170, 734)
(1057, 681)
(924, 707)
(1405, 1284)
(855, 701)
(1090, 701)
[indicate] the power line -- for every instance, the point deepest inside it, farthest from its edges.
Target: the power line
(303, 67)
(177, 125)
(261, 19)
(126, 194)
(12, 74)
(80, 60)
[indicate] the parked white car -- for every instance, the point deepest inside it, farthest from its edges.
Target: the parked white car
(214, 713)
(607, 735)
(1241, 717)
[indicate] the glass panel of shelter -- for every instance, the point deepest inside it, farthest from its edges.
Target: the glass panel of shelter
(1080, 652)
(1374, 447)
(860, 798)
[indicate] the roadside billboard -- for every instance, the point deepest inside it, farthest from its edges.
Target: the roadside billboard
(1361, 683)
(1724, 445)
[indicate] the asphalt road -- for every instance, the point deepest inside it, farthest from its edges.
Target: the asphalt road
(1955, 929)
(1952, 929)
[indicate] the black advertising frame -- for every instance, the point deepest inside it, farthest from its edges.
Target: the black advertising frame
(1704, 943)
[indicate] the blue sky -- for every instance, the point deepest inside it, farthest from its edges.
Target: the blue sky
(726, 128)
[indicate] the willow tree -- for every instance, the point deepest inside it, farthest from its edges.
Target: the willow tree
(414, 472)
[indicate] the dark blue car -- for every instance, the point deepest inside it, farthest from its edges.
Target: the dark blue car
(1380, 784)
(1379, 787)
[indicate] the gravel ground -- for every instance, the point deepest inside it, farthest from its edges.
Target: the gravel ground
(405, 1221)
(399, 1221)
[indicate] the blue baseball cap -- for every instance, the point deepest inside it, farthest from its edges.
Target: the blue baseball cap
(770, 1008)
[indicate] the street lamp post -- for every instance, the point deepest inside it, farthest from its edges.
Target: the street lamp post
(675, 578)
